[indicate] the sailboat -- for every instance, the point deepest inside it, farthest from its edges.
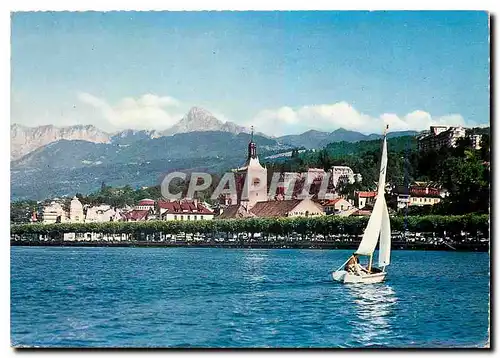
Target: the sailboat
(378, 230)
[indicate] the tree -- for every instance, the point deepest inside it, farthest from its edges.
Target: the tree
(467, 180)
(485, 147)
(324, 160)
(22, 211)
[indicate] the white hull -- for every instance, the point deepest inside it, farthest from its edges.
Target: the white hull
(344, 277)
(377, 229)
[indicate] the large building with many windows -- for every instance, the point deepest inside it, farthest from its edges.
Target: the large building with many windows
(343, 174)
(445, 136)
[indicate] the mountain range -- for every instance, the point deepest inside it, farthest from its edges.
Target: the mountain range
(27, 139)
(314, 139)
(49, 160)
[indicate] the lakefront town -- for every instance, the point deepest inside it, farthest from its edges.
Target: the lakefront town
(437, 194)
(250, 179)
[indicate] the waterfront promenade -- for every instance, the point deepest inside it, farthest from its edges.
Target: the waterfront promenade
(460, 233)
(347, 243)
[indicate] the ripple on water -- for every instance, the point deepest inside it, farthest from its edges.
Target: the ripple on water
(133, 297)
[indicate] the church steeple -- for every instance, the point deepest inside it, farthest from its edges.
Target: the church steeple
(252, 148)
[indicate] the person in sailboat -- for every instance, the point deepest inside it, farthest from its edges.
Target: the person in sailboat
(353, 266)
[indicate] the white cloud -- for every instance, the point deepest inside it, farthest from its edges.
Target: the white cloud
(146, 112)
(161, 112)
(328, 117)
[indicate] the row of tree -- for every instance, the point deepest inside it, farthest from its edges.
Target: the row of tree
(327, 225)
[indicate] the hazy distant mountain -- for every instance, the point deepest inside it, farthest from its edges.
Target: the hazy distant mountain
(69, 166)
(316, 139)
(309, 139)
(128, 136)
(201, 120)
(78, 153)
(26, 139)
(341, 135)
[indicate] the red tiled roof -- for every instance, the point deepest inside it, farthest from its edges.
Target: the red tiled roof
(146, 202)
(137, 215)
(235, 212)
(331, 202)
(187, 207)
(361, 213)
(276, 208)
(424, 192)
(367, 194)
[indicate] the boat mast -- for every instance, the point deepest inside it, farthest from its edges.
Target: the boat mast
(371, 255)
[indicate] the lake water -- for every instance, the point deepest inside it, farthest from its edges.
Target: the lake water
(197, 297)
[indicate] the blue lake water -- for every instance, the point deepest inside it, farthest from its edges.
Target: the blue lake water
(190, 297)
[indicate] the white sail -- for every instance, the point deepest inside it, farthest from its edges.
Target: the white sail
(384, 254)
(372, 231)
(383, 168)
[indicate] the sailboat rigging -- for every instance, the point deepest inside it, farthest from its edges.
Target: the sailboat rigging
(378, 230)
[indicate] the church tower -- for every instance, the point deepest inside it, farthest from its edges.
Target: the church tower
(251, 179)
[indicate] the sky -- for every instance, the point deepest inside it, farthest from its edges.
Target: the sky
(282, 72)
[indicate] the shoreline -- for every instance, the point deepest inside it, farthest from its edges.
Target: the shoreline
(259, 245)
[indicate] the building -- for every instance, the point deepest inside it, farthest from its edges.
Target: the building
(343, 174)
(143, 211)
(235, 212)
(440, 136)
(145, 204)
(420, 196)
(402, 197)
(417, 195)
(287, 185)
(53, 213)
(361, 212)
(138, 215)
(251, 180)
(291, 185)
(277, 208)
(476, 141)
(102, 213)
(188, 210)
(364, 198)
(336, 206)
(76, 211)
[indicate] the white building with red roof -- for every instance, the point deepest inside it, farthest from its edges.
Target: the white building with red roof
(336, 206)
(139, 215)
(143, 211)
(189, 210)
(363, 198)
(145, 204)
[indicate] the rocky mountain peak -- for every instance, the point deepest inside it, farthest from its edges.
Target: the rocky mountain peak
(197, 113)
(201, 120)
(26, 139)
